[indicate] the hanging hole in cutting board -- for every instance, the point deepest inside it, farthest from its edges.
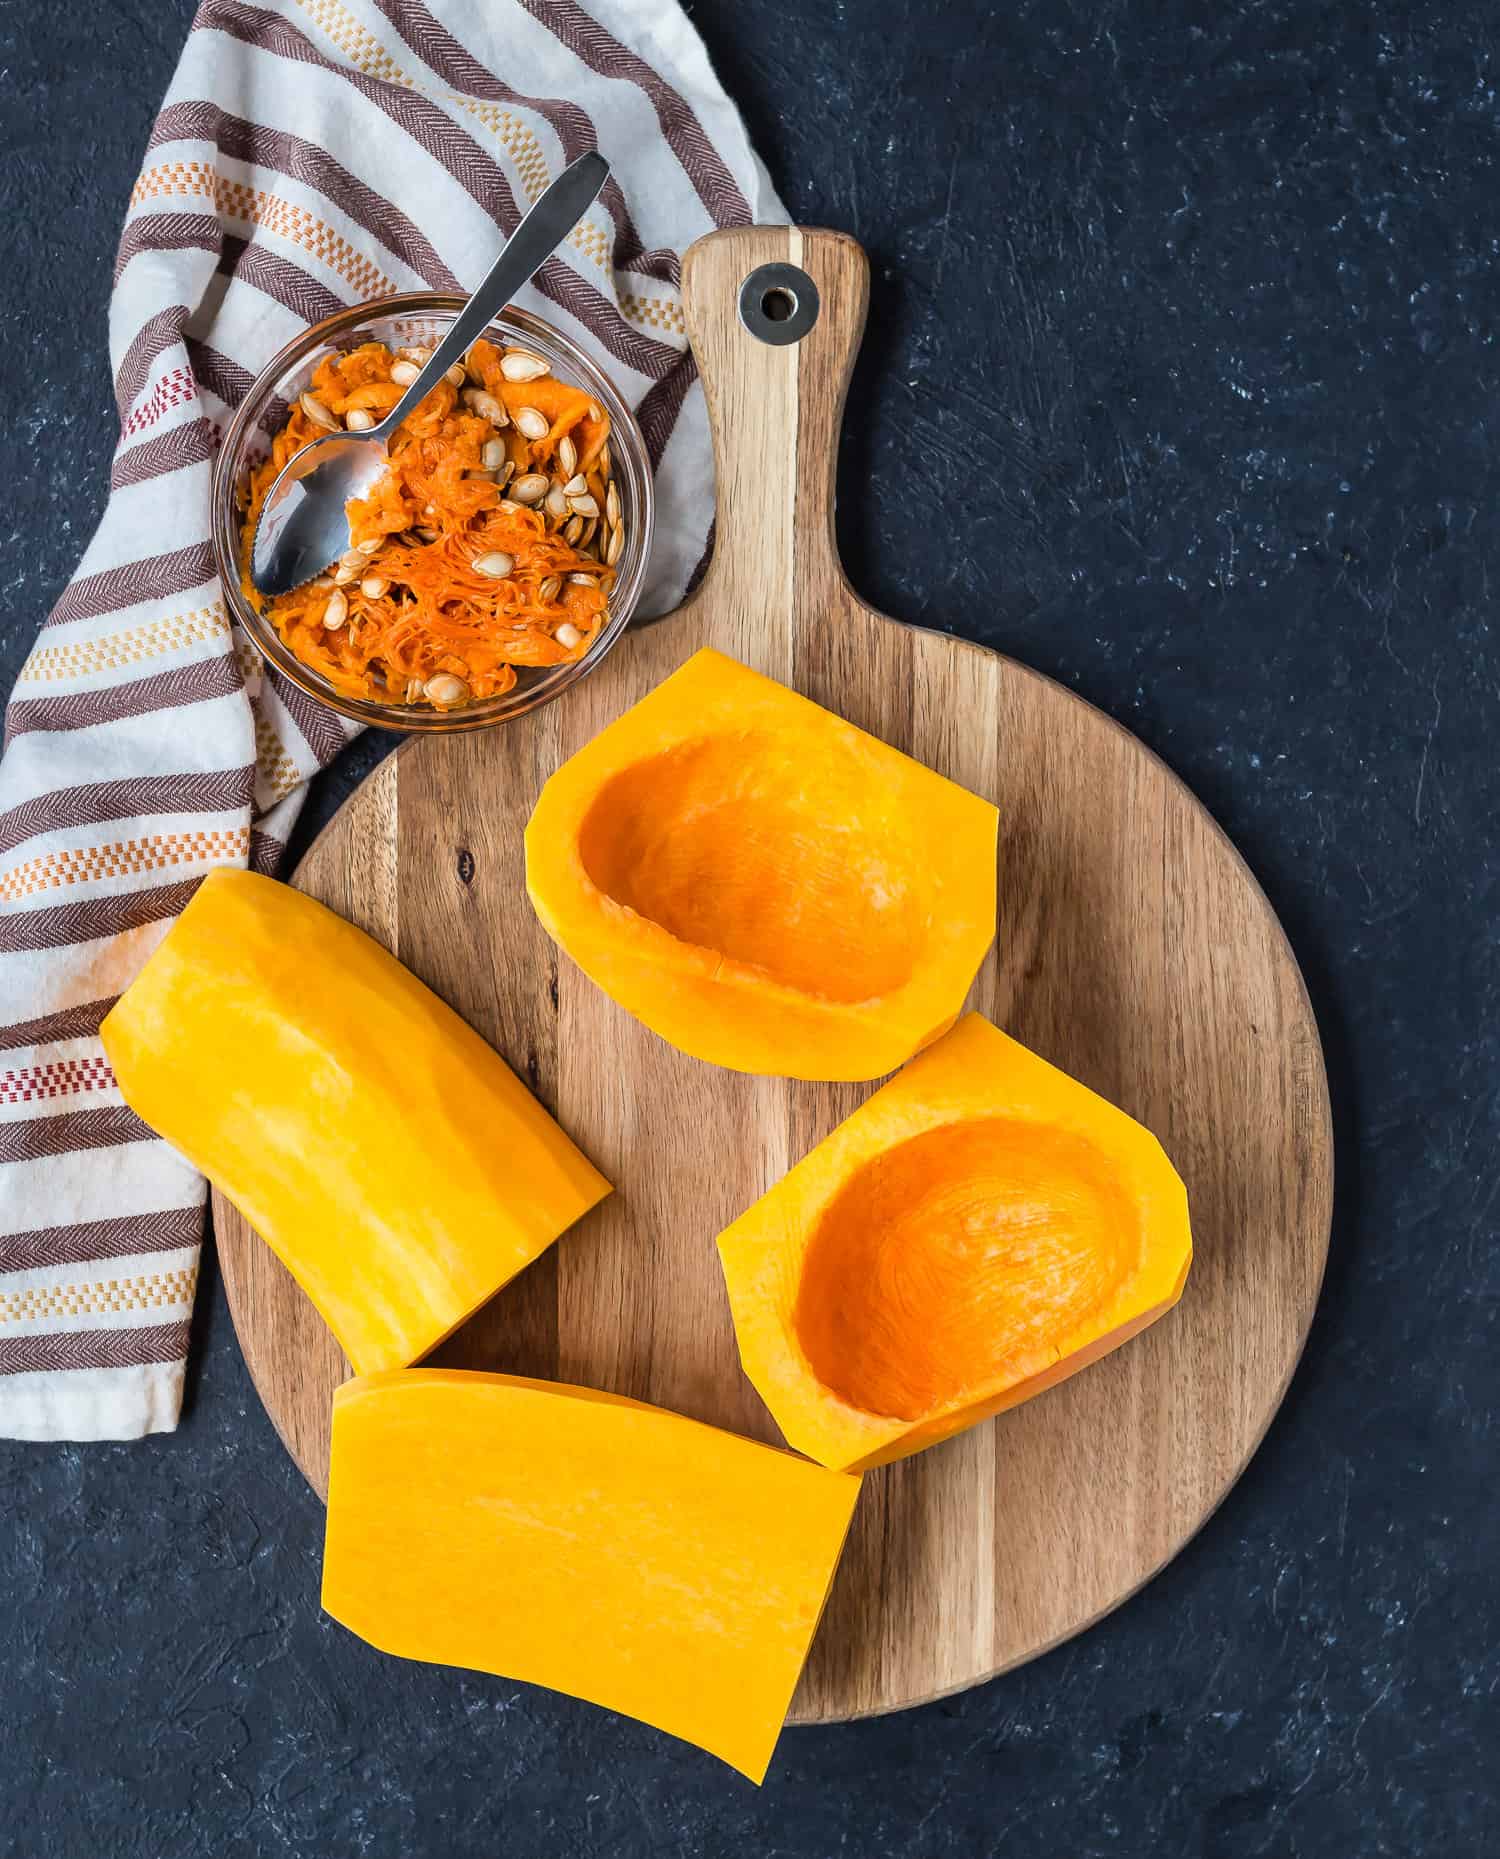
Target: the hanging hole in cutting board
(778, 304)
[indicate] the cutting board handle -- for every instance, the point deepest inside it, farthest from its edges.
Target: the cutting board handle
(775, 359)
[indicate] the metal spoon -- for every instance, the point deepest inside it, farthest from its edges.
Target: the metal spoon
(303, 525)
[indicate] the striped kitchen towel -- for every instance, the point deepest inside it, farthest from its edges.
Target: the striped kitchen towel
(310, 153)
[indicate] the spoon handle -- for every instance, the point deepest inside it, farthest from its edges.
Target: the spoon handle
(529, 247)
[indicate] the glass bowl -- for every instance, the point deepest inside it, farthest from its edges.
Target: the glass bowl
(422, 317)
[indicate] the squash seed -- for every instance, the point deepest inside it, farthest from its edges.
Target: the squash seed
(456, 374)
(336, 612)
(572, 529)
(427, 535)
(318, 413)
(567, 455)
(577, 485)
(531, 488)
(549, 590)
(567, 635)
(612, 503)
(582, 506)
(496, 564)
(557, 503)
(403, 373)
(578, 579)
(522, 365)
(416, 354)
(373, 586)
(492, 454)
(347, 572)
(616, 543)
(531, 424)
(446, 689)
(358, 420)
(372, 545)
(414, 690)
(486, 406)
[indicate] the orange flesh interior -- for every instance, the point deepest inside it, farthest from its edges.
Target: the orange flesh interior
(745, 845)
(436, 614)
(947, 1263)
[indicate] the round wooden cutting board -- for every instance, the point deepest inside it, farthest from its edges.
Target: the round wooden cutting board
(1134, 950)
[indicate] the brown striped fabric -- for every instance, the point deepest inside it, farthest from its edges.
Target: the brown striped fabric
(275, 152)
(431, 40)
(193, 444)
(281, 281)
(30, 1139)
(266, 852)
(168, 690)
(223, 790)
(323, 730)
(60, 926)
(167, 232)
(75, 1350)
(71, 1023)
(154, 338)
(481, 176)
(133, 581)
(92, 1240)
(309, 152)
(701, 162)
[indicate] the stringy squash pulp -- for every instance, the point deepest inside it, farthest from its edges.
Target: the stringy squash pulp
(488, 545)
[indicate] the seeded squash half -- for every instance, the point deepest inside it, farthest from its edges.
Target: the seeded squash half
(765, 886)
(978, 1231)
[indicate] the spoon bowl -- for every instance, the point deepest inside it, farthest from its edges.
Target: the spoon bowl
(303, 526)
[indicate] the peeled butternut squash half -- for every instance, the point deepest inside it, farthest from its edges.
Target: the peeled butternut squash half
(978, 1231)
(392, 1161)
(762, 884)
(583, 1541)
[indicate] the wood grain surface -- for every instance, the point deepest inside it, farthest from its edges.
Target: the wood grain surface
(1134, 950)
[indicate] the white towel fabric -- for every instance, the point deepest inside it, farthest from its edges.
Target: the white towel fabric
(310, 154)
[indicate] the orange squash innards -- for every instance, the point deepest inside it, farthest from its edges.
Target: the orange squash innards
(489, 544)
(980, 1229)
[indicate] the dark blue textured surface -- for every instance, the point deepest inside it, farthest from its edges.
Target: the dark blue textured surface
(1180, 385)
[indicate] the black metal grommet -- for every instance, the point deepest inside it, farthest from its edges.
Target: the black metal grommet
(778, 304)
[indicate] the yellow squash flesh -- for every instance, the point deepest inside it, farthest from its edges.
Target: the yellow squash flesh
(390, 1158)
(579, 1540)
(981, 1228)
(762, 884)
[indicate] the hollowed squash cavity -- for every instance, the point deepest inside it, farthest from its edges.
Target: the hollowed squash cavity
(980, 1229)
(762, 884)
(721, 844)
(944, 1263)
